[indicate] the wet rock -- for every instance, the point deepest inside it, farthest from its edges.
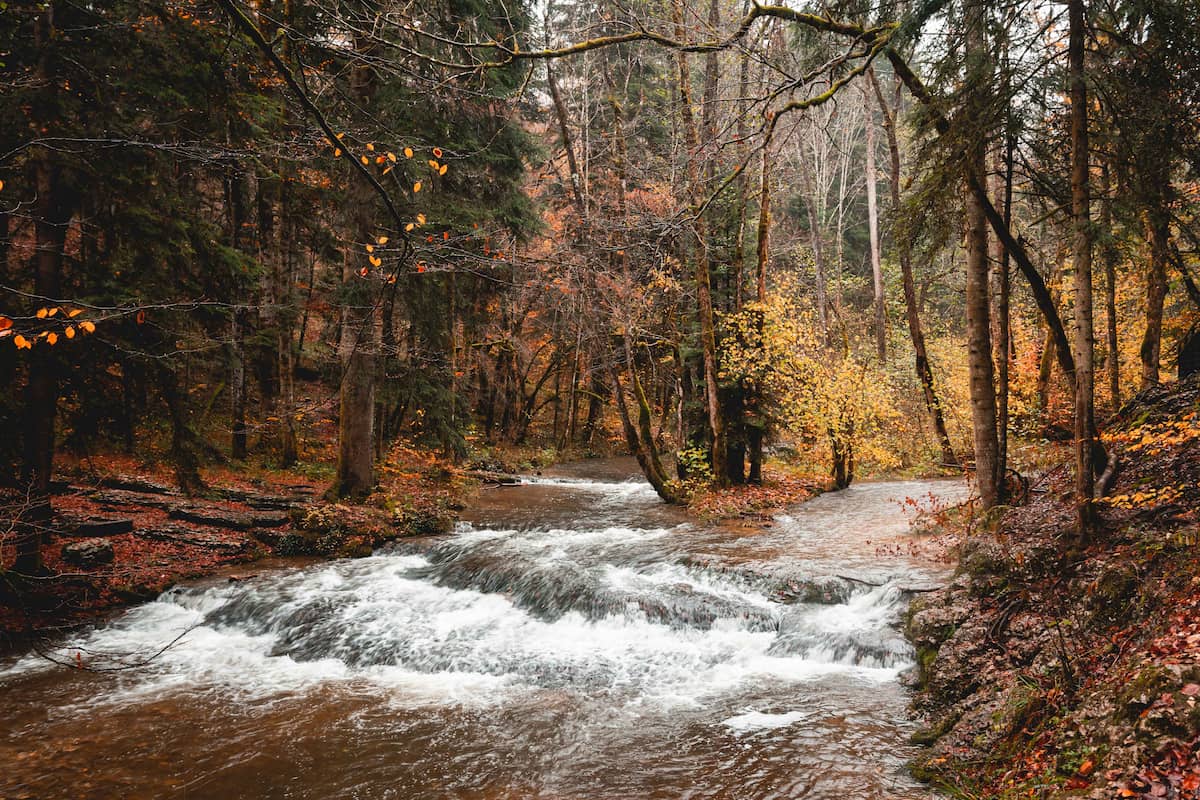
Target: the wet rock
(88, 553)
(183, 535)
(134, 483)
(264, 502)
(121, 498)
(825, 591)
(224, 518)
(494, 478)
(94, 526)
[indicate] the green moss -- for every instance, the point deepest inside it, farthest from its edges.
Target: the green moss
(1145, 687)
(939, 728)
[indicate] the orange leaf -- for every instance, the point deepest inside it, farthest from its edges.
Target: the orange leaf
(382, 240)
(409, 227)
(41, 313)
(375, 262)
(420, 219)
(69, 332)
(416, 187)
(51, 339)
(87, 326)
(5, 323)
(74, 312)
(371, 147)
(21, 342)
(408, 152)
(437, 152)
(434, 164)
(442, 171)
(337, 151)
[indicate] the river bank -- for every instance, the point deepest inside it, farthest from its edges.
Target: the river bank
(1051, 668)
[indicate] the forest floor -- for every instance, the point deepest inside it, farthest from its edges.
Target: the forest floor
(1054, 668)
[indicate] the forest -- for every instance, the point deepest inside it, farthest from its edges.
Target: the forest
(317, 275)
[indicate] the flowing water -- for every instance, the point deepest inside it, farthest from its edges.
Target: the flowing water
(574, 639)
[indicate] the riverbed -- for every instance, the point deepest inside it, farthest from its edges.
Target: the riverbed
(574, 638)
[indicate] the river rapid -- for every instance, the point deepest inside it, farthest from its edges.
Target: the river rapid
(574, 638)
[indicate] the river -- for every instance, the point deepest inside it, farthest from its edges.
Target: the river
(574, 638)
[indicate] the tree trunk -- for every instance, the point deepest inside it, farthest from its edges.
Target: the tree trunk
(1001, 337)
(53, 214)
(979, 345)
(708, 340)
(1081, 223)
(360, 334)
(743, 133)
(1108, 252)
(873, 234)
(911, 306)
(1156, 222)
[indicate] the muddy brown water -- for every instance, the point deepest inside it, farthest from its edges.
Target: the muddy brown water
(573, 639)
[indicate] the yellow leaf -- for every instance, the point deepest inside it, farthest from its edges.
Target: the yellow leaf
(437, 152)
(375, 261)
(87, 326)
(408, 152)
(387, 169)
(340, 135)
(371, 147)
(382, 240)
(69, 332)
(434, 164)
(364, 160)
(51, 339)
(370, 248)
(408, 227)
(420, 219)
(442, 171)
(416, 187)
(392, 157)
